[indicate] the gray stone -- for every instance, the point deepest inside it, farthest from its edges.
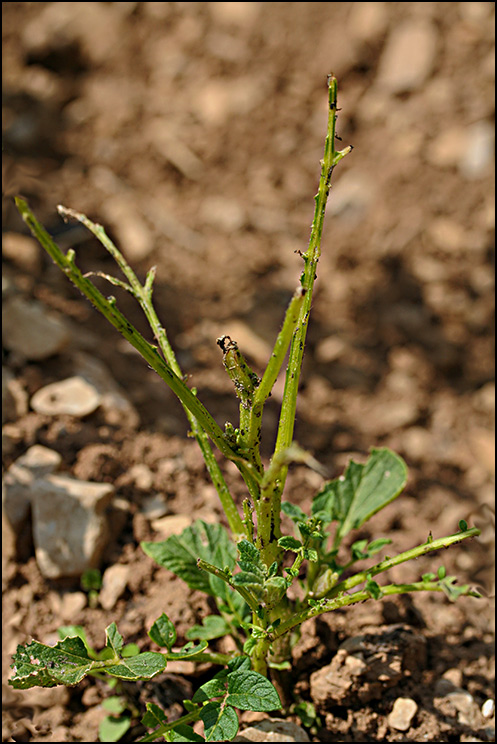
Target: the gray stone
(73, 396)
(37, 462)
(31, 331)
(70, 527)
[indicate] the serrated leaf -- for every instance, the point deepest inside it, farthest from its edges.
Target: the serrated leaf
(114, 639)
(188, 650)
(179, 553)
(38, 665)
(362, 491)
(311, 555)
(113, 729)
(213, 626)
(220, 724)
(163, 632)
(154, 716)
(182, 732)
(290, 543)
(251, 691)
(143, 666)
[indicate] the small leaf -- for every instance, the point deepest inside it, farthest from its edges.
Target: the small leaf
(239, 663)
(163, 632)
(154, 716)
(143, 666)
(463, 525)
(220, 724)
(373, 589)
(188, 650)
(362, 491)
(251, 691)
(130, 649)
(38, 665)
(442, 572)
(311, 555)
(114, 704)
(274, 590)
(293, 511)
(290, 543)
(114, 639)
(249, 580)
(213, 626)
(113, 729)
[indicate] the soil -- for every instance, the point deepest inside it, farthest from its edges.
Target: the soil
(193, 132)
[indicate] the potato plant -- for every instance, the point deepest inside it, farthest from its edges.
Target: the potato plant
(249, 567)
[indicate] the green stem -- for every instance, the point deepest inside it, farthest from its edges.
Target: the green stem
(199, 418)
(407, 555)
(215, 571)
(311, 257)
(191, 717)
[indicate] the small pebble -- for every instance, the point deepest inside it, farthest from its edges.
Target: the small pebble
(73, 396)
(30, 330)
(403, 711)
(408, 57)
(488, 708)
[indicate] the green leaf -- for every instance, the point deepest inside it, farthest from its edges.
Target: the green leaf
(290, 543)
(114, 639)
(154, 716)
(362, 491)
(188, 650)
(220, 724)
(182, 732)
(238, 663)
(249, 580)
(361, 550)
(212, 689)
(179, 554)
(293, 511)
(38, 665)
(213, 626)
(163, 632)
(311, 555)
(113, 729)
(143, 666)
(251, 691)
(114, 704)
(373, 589)
(130, 649)
(274, 590)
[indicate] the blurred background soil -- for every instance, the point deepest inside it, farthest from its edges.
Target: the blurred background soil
(193, 133)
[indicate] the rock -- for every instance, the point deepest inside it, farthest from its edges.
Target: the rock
(23, 251)
(445, 150)
(403, 711)
(154, 507)
(366, 665)
(223, 213)
(73, 396)
(71, 604)
(273, 729)
(450, 698)
(408, 57)
(488, 708)
(478, 154)
(114, 582)
(14, 397)
(115, 405)
(31, 331)
(69, 524)
(350, 197)
(17, 485)
(172, 525)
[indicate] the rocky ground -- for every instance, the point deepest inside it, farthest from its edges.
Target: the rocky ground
(193, 132)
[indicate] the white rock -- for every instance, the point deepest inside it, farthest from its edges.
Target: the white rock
(273, 729)
(117, 409)
(403, 711)
(488, 708)
(17, 485)
(114, 583)
(73, 396)
(31, 331)
(408, 57)
(69, 524)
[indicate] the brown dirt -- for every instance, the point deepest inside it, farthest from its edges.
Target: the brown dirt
(193, 131)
